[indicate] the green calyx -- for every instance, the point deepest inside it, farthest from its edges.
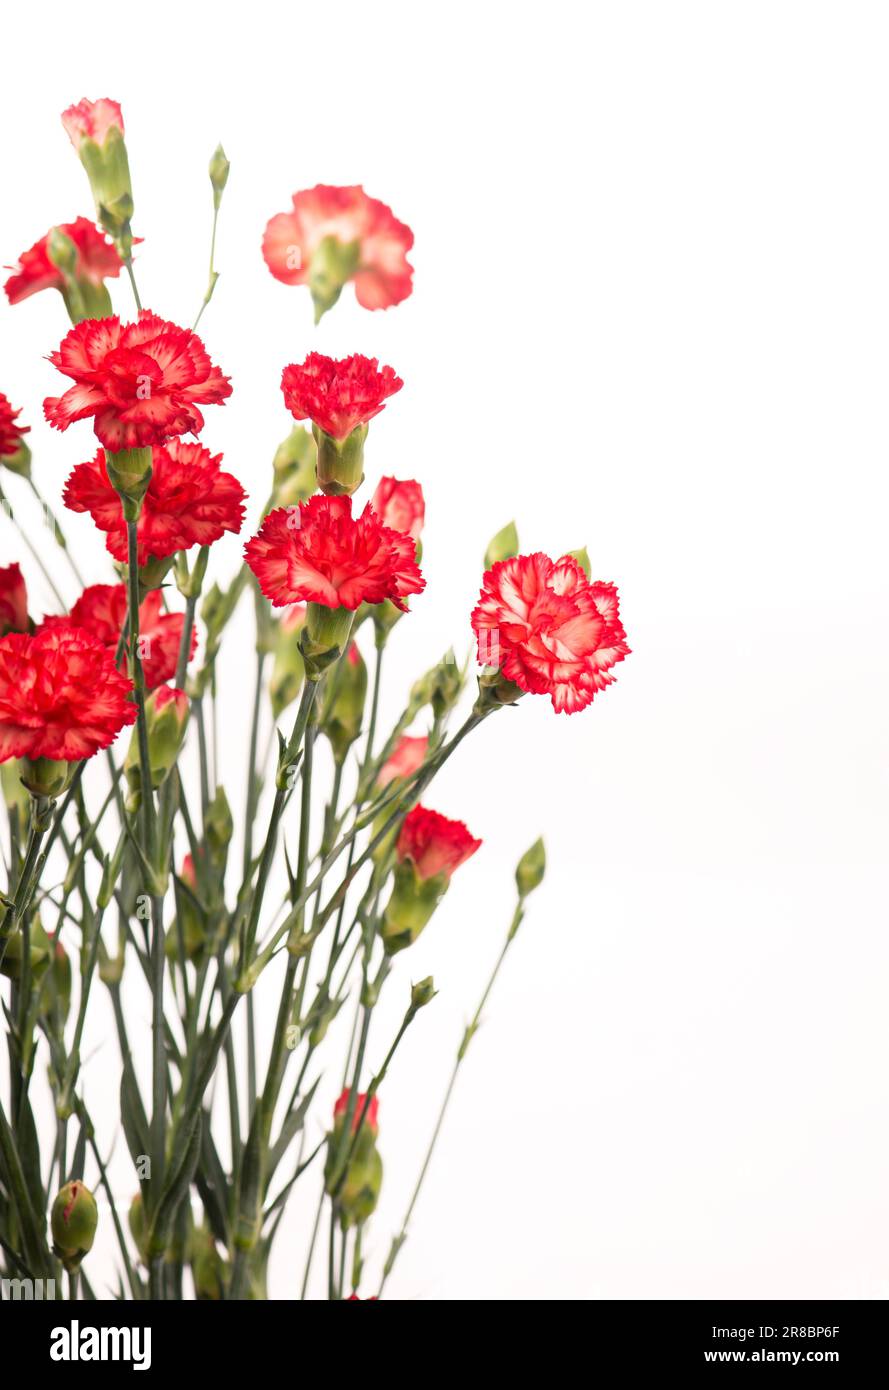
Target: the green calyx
(340, 464)
(129, 473)
(412, 903)
(333, 263)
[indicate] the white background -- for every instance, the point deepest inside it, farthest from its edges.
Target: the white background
(650, 316)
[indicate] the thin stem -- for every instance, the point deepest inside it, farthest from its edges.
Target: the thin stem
(128, 262)
(59, 534)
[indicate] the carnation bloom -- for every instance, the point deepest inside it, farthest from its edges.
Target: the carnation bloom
(60, 695)
(95, 261)
(434, 844)
(400, 505)
(406, 759)
(13, 600)
(92, 120)
(142, 382)
(334, 235)
(338, 395)
(370, 1119)
(189, 501)
(101, 611)
(10, 433)
(319, 553)
(548, 629)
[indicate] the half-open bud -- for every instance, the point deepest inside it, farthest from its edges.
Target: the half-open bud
(357, 1189)
(428, 851)
(96, 131)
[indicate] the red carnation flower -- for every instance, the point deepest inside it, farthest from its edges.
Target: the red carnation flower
(96, 260)
(548, 629)
(92, 120)
(400, 505)
(370, 1119)
(435, 844)
(60, 695)
(405, 760)
(319, 553)
(189, 501)
(338, 396)
(142, 382)
(101, 611)
(13, 601)
(10, 432)
(372, 244)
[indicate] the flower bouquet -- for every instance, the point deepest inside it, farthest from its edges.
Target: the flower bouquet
(126, 872)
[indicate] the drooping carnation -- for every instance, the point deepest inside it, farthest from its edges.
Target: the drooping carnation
(435, 844)
(548, 629)
(344, 233)
(370, 1119)
(400, 504)
(96, 260)
(13, 600)
(10, 432)
(189, 501)
(60, 695)
(318, 553)
(92, 120)
(142, 382)
(338, 395)
(101, 611)
(406, 759)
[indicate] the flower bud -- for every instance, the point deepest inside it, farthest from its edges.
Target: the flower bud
(47, 777)
(340, 465)
(288, 672)
(189, 923)
(136, 1222)
(406, 758)
(166, 715)
(359, 1189)
(218, 171)
(447, 685)
(218, 828)
(97, 133)
(11, 965)
(55, 993)
(324, 637)
(430, 848)
(15, 795)
(583, 559)
(209, 1270)
(73, 1222)
(503, 546)
(530, 869)
(294, 465)
(342, 709)
(423, 993)
(129, 473)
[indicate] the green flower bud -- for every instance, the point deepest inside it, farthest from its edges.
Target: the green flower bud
(136, 1221)
(55, 992)
(342, 709)
(502, 546)
(288, 672)
(15, 794)
(358, 1191)
(583, 560)
(61, 251)
(209, 1270)
(294, 465)
(218, 828)
(218, 171)
(46, 777)
(166, 715)
(423, 993)
(40, 947)
(73, 1223)
(129, 473)
(530, 869)
(19, 461)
